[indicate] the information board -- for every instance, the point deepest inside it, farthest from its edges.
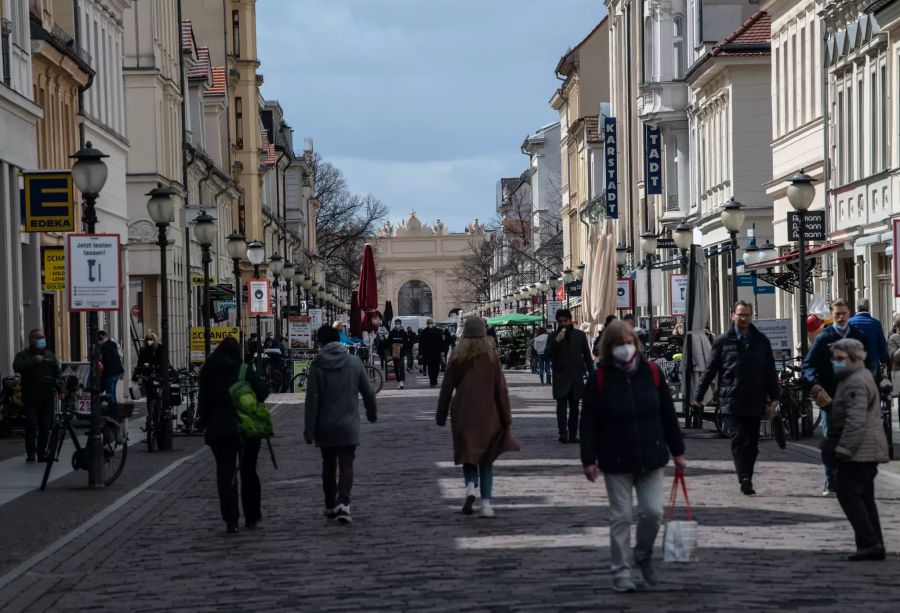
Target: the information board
(93, 272)
(300, 332)
(780, 333)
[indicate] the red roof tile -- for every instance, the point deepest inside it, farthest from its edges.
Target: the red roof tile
(200, 69)
(187, 36)
(757, 30)
(218, 82)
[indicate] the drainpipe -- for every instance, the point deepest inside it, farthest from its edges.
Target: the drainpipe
(628, 106)
(827, 259)
(76, 17)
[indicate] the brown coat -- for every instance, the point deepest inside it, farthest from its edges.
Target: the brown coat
(478, 408)
(856, 415)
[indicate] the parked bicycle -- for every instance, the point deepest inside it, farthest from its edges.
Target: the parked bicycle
(188, 380)
(796, 407)
(12, 415)
(113, 433)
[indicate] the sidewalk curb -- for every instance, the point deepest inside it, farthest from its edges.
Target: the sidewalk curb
(814, 452)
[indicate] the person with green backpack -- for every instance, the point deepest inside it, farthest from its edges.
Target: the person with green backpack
(235, 420)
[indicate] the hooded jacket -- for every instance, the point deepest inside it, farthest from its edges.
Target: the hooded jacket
(332, 398)
(216, 410)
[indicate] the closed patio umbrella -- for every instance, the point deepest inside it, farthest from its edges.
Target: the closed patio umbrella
(598, 292)
(368, 290)
(388, 313)
(697, 348)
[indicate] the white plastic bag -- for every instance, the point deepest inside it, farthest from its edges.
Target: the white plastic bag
(680, 541)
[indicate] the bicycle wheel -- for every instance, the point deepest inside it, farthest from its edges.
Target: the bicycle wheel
(115, 450)
(152, 424)
(276, 381)
(298, 382)
(53, 449)
(722, 427)
(376, 378)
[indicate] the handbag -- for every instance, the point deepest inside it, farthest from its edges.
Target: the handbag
(680, 537)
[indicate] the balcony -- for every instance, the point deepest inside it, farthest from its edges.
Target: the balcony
(663, 101)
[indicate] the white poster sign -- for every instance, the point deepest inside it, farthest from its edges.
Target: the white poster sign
(94, 272)
(552, 307)
(780, 333)
(259, 297)
(315, 318)
(300, 332)
(623, 295)
(678, 288)
(640, 288)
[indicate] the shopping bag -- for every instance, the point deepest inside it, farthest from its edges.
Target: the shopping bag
(680, 537)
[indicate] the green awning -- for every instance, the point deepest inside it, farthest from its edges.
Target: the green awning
(515, 319)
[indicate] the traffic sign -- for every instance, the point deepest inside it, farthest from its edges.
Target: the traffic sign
(49, 203)
(259, 291)
(94, 272)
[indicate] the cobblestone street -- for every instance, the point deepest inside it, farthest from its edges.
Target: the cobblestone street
(410, 548)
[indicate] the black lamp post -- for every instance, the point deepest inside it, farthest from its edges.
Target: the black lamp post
(648, 247)
(276, 265)
(256, 255)
(800, 194)
(89, 174)
(683, 236)
(162, 212)
(299, 278)
(205, 233)
(733, 218)
(237, 249)
(567, 278)
(287, 274)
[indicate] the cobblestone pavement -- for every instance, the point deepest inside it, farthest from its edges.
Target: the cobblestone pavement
(410, 548)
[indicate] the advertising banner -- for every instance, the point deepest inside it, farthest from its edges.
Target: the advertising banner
(300, 332)
(93, 272)
(611, 179)
(623, 295)
(316, 318)
(780, 333)
(216, 335)
(53, 269)
(678, 287)
(653, 160)
(258, 291)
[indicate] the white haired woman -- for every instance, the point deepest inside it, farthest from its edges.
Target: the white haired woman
(856, 444)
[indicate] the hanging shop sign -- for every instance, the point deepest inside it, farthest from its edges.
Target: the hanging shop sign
(216, 335)
(49, 202)
(53, 269)
(197, 279)
(623, 295)
(93, 272)
(652, 160)
(611, 180)
(259, 295)
(813, 225)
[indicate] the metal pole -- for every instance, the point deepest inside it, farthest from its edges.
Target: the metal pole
(688, 369)
(734, 247)
(802, 284)
(546, 308)
(164, 442)
(207, 332)
(277, 320)
(237, 302)
(650, 304)
(95, 438)
(258, 329)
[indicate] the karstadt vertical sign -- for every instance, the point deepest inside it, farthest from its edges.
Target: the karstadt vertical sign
(610, 147)
(652, 160)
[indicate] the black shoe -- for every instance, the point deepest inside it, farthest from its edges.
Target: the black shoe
(251, 525)
(231, 529)
(747, 487)
(870, 554)
(573, 439)
(330, 514)
(30, 459)
(42, 458)
(563, 438)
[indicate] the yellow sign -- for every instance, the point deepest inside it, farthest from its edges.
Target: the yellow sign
(197, 280)
(216, 335)
(49, 202)
(53, 269)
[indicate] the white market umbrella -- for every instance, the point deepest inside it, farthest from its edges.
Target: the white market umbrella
(598, 291)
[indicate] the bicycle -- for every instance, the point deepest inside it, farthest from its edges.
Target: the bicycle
(376, 377)
(298, 381)
(188, 380)
(113, 433)
(152, 387)
(885, 388)
(12, 416)
(796, 408)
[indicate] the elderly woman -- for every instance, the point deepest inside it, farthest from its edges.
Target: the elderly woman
(855, 445)
(893, 345)
(628, 429)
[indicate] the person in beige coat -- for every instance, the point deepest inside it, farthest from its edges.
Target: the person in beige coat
(475, 395)
(893, 348)
(856, 444)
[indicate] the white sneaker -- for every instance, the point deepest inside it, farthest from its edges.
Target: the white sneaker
(470, 499)
(342, 514)
(486, 509)
(401, 385)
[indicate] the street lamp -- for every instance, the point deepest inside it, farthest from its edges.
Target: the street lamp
(800, 194)
(256, 255)
(684, 237)
(733, 218)
(288, 274)
(276, 266)
(648, 248)
(298, 279)
(767, 252)
(161, 208)
(205, 232)
(579, 272)
(89, 174)
(237, 249)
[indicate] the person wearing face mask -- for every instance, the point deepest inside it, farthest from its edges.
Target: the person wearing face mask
(818, 372)
(396, 341)
(743, 363)
(39, 370)
(431, 345)
(571, 358)
(856, 444)
(628, 429)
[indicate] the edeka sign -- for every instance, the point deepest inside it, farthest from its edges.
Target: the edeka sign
(611, 180)
(49, 204)
(652, 160)
(53, 269)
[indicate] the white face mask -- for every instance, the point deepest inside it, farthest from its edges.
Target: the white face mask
(624, 353)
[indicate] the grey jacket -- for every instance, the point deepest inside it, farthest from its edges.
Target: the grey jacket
(856, 414)
(332, 398)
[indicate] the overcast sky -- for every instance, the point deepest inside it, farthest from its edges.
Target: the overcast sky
(422, 103)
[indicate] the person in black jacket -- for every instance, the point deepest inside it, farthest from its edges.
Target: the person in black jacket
(743, 362)
(628, 429)
(571, 357)
(431, 346)
(112, 365)
(819, 374)
(39, 369)
(411, 339)
(396, 341)
(219, 418)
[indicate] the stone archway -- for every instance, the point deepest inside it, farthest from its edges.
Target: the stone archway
(415, 298)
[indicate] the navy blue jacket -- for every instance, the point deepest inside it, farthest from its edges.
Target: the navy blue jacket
(876, 353)
(817, 369)
(629, 426)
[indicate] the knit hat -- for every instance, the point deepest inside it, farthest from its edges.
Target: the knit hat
(474, 328)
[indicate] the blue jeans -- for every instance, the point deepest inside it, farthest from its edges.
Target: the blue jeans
(109, 388)
(471, 473)
(544, 367)
(830, 476)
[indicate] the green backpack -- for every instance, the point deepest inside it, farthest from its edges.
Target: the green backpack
(254, 418)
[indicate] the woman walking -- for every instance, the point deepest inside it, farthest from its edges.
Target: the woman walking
(220, 421)
(475, 395)
(856, 444)
(893, 345)
(628, 429)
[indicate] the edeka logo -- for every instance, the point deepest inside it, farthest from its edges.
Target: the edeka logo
(653, 160)
(611, 179)
(49, 206)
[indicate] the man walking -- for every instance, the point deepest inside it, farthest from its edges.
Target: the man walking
(818, 372)
(571, 358)
(112, 365)
(877, 353)
(397, 340)
(431, 345)
(336, 380)
(540, 347)
(742, 361)
(39, 370)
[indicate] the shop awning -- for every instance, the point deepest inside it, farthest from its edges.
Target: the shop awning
(794, 257)
(514, 319)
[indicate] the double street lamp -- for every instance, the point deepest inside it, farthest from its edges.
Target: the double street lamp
(288, 274)
(276, 266)
(162, 211)
(733, 218)
(683, 235)
(205, 232)
(89, 174)
(648, 248)
(237, 249)
(256, 255)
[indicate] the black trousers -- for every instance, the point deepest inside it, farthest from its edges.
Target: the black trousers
(744, 443)
(337, 474)
(434, 367)
(227, 457)
(399, 370)
(38, 419)
(856, 494)
(567, 424)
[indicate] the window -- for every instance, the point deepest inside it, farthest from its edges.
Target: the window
(797, 83)
(874, 163)
(860, 126)
(648, 63)
(802, 55)
(883, 129)
(239, 122)
(236, 33)
(678, 47)
(839, 134)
